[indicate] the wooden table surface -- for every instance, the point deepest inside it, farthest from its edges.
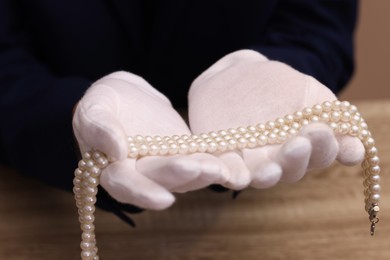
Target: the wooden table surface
(320, 217)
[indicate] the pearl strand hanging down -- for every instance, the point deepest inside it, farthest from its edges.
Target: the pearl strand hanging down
(342, 117)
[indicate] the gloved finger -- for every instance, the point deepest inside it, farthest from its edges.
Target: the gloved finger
(96, 126)
(169, 171)
(125, 184)
(351, 151)
(135, 81)
(264, 172)
(239, 174)
(324, 145)
(213, 171)
(293, 157)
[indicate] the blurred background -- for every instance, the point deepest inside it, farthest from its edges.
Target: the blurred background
(372, 53)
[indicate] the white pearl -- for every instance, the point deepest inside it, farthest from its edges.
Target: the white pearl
(335, 116)
(304, 122)
(345, 116)
(375, 188)
(324, 117)
(138, 138)
(173, 148)
(343, 128)
(317, 109)
(88, 236)
(232, 144)
(298, 116)
(261, 127)
(90, 191)
(326, 106)
(82, 165)
(88, 218)
(158, 138)
(77, 182)
(364, 134)
(87, 245)
(95, 171)
(374, 160)
(314, 119)
(91, 181)
(295, 126)
(354, 130)
(192, 147)
(307, 112)
(78, 172)
(202, 147)
(336, 105)
(288, 119)
(153, 149)
(133, 152)
(86, 254)
(375, 178)
(282, 136)
(87, 155)
(227, 137)
(79, 204)
(251, 129)
(375, 169)
(270, 125)
(163, 149)
(76, 189)
(345, 105)
(241, 142)
(88, 227)
(222, 146)
(370, 142)
(285, 128)
(272, 138)
(372, 151)
(222, 133)
(89, 200)
(212, 147)
(143, 149)
(252, 142)
(89, 209)
(375, 198)
(355, 119)
(292, 132)
(232, 131)
(352, 109)
(262, 140)
(102, 162)
(279, 122)
(242, 130)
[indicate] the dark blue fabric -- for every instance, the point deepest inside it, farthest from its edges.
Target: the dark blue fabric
(50, 52)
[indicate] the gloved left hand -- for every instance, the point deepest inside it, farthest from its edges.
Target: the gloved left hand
(245, 88)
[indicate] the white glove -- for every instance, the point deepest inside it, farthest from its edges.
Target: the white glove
(245, 88)
(121, 105)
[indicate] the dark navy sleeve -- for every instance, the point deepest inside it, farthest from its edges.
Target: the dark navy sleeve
(35, 109)
(314, 37)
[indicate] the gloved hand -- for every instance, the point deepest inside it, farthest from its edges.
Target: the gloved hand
(245, 88)
(121, 105)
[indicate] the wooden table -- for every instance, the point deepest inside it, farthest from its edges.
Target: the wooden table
(320, 217)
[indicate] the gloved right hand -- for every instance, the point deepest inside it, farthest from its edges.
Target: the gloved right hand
(121, 105)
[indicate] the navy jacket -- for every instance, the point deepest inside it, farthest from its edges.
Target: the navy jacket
(51, 51)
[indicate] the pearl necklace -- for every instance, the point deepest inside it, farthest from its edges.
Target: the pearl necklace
(342, 117)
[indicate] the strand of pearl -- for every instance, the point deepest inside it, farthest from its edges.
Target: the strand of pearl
(342, 117)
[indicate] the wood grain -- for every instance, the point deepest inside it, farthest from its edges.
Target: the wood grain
(320, 217)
